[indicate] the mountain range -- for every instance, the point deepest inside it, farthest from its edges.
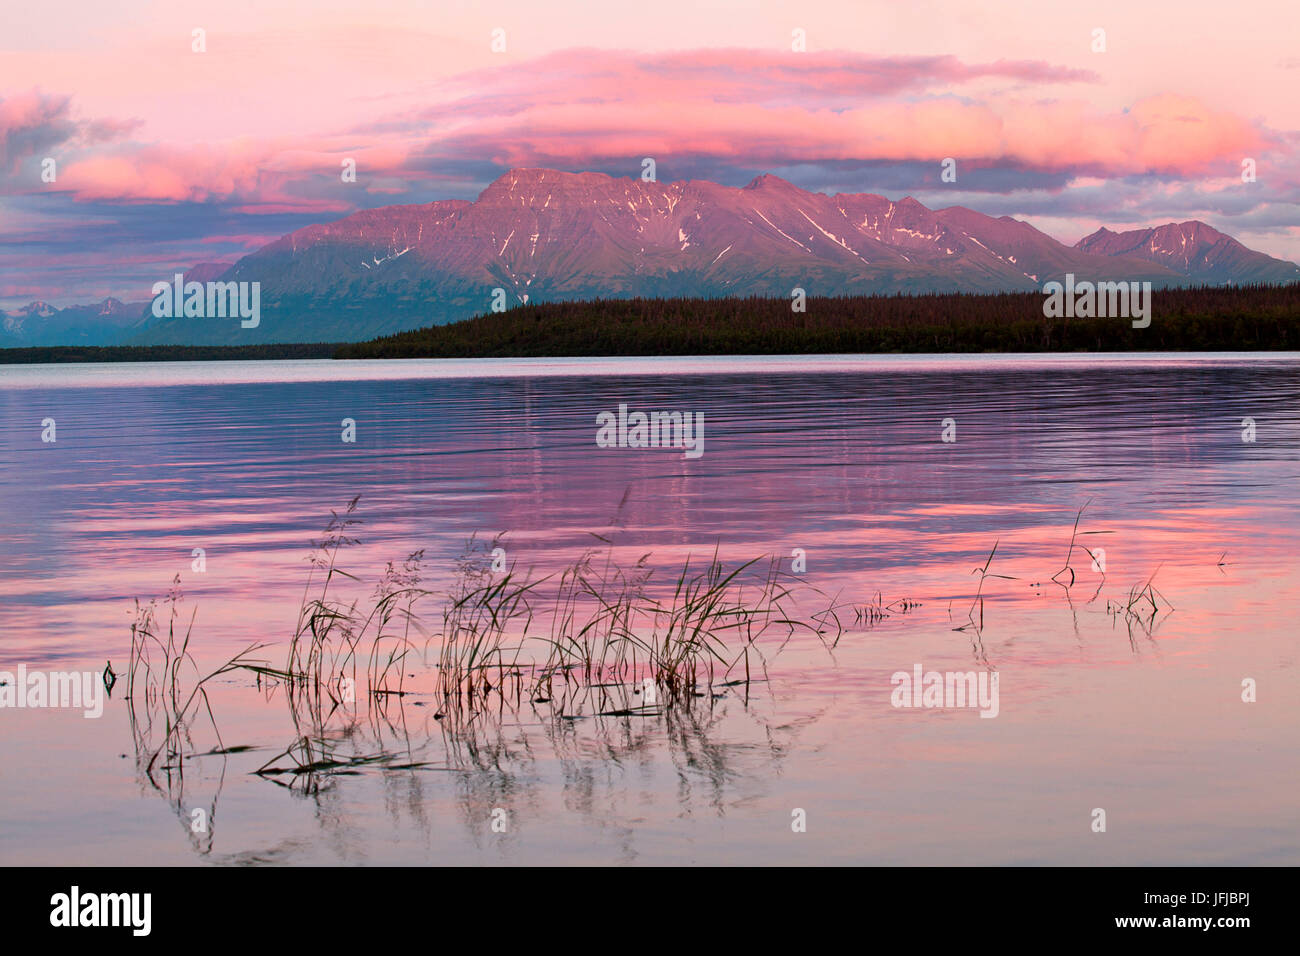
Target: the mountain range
(541, 235)
(104, 323)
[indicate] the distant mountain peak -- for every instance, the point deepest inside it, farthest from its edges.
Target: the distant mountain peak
(40, 324)
(540, 235)
(527, 181)
(771, 181)
(37, 308)
(1194, 249)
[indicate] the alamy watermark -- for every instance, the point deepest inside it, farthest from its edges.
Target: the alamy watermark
(212, 300)
(45, 689)
(683, 430)
(75, 908)
(935, 689)
(1086, 300)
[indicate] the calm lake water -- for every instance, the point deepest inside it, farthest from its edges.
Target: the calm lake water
(836, 466)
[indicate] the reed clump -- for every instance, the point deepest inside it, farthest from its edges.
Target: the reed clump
(164, 683)
(503, 631)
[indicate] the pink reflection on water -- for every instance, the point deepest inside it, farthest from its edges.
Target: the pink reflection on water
(1098, 709)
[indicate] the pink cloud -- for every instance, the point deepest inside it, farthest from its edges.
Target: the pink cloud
(35, 124)
(249, 241)
(755, 109)
(163, 174)
(728, 75)
(762, 109)
(261, 177)
(1161, 135)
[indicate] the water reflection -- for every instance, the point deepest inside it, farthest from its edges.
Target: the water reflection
(1182, 581)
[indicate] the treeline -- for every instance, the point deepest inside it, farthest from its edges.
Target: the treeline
(1207, 318)
(1239, 318)
(163, 353)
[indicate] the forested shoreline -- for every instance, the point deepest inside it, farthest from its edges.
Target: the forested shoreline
(1239, 318)
(1243, 318)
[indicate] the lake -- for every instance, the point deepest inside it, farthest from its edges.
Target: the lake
(917, 509)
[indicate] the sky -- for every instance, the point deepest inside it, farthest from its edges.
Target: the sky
(165, 156)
